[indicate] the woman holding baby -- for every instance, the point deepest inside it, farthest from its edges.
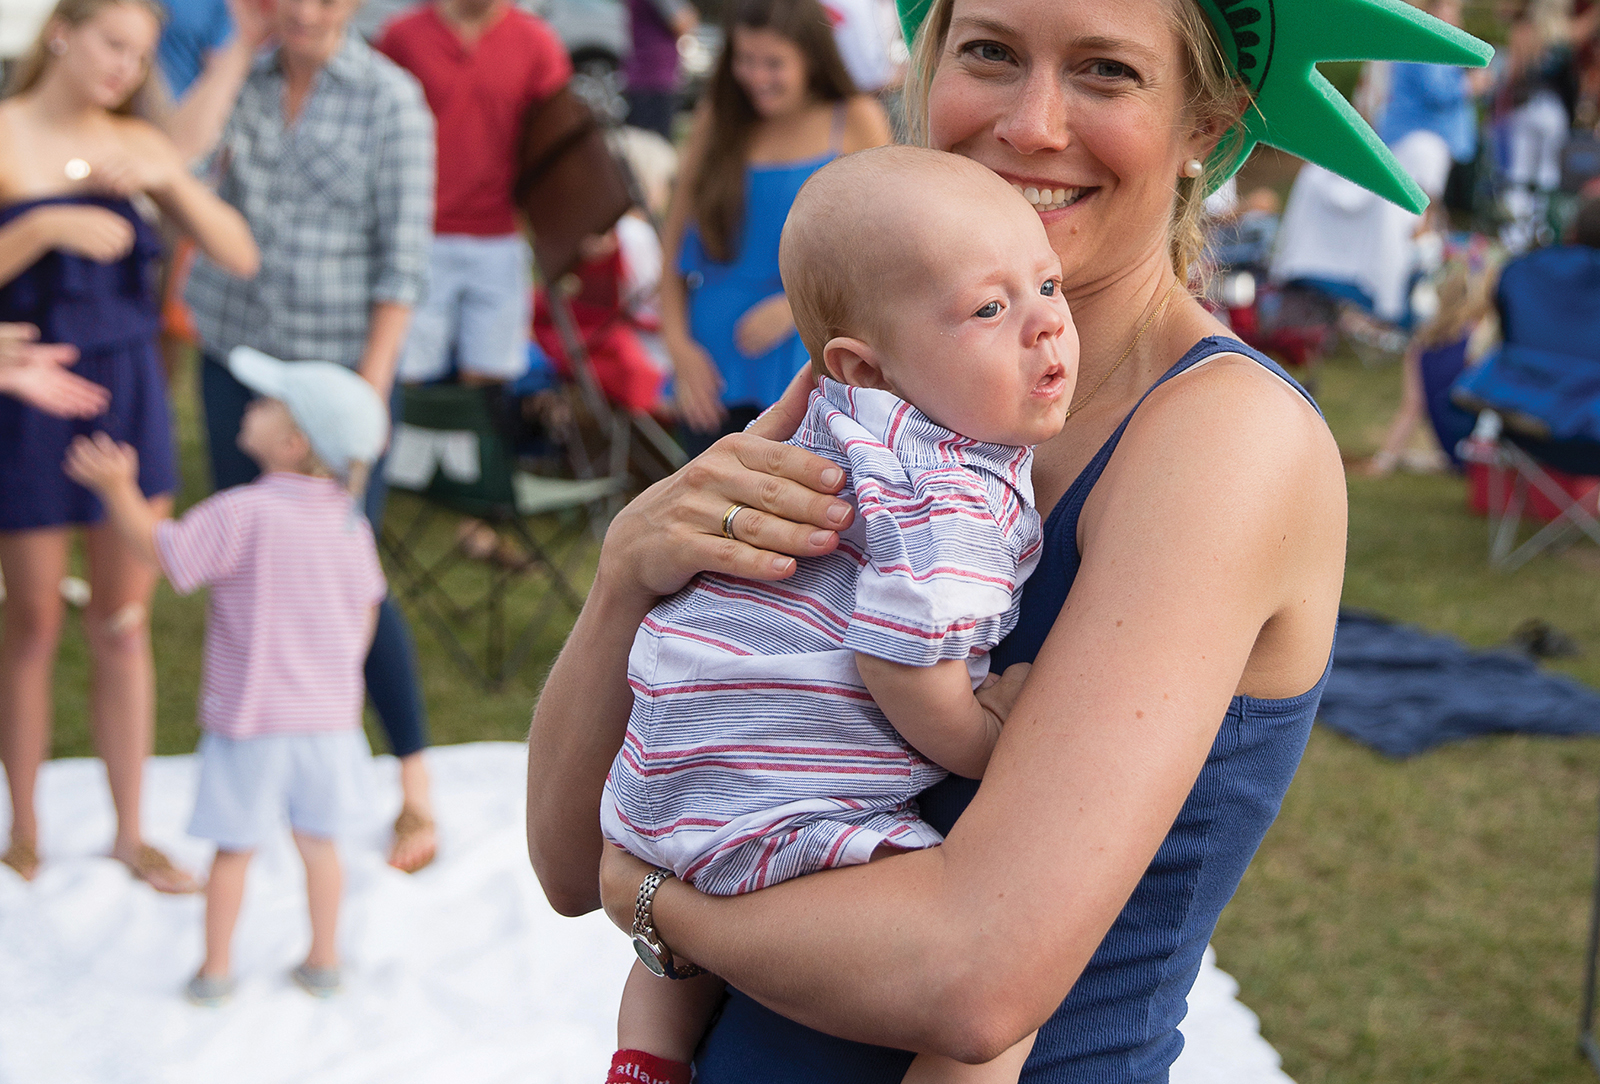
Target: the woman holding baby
(1179, 625)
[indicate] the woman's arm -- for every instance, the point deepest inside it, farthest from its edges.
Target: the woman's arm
(197, 122)
(1220, 523)
(697, 384)
(151, 164)
(654, 547)
(95, 233)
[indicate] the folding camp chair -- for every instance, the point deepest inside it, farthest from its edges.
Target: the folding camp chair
(451, 450)
(1540, 398)
(572, 183)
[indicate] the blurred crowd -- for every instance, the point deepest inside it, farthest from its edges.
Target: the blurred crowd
(284, 193)
(1506, 156)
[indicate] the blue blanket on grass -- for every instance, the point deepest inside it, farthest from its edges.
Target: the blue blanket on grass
(1402, 691)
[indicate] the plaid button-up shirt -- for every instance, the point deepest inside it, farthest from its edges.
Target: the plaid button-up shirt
(340, 202)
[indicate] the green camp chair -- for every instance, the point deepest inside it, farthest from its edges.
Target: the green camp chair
(449, 450)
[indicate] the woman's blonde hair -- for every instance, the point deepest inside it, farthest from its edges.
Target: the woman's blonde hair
(147, 99)
(1214, 94)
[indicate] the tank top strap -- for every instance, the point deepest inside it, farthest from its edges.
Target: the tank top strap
(836, 130)
(1071, 504)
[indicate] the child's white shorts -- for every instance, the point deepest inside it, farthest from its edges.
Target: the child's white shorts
(322, 782)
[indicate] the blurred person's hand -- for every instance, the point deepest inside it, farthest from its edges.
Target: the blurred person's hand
(100, 463)
(123, 174)
(685, 21)
(19, 346)
(763, 326)
(251, 21)
(698, 386)
(94, 233)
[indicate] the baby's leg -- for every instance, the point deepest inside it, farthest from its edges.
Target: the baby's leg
(224, 895)
(323, 887)
(664, 1018)
(933, 1069)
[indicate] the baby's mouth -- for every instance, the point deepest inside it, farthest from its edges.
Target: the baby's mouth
(1051, 383)
(1050, 199)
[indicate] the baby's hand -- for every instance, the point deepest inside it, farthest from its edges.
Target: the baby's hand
(100, 463)
(998, 694)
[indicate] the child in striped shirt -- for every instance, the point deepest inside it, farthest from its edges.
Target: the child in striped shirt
(783, 728)
(295, 585)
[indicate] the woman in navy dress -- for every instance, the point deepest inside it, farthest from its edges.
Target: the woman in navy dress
(1179, 625)
(76, 262)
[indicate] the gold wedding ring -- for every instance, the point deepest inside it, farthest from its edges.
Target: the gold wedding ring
(727, 519)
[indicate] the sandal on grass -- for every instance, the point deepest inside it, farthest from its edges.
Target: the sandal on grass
(156, 870)
(412, 831)
(23, 858)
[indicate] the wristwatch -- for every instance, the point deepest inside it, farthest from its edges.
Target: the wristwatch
(653, 952)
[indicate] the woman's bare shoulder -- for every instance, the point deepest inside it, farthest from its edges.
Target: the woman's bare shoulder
(865, 124)
(1231, 427)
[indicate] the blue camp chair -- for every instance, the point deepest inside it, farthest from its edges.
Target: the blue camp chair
(1539, 395)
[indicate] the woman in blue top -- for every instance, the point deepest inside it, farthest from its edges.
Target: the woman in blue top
(779, 106)
(1179, 625)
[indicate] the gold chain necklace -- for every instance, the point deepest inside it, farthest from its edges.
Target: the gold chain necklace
(1137, 335)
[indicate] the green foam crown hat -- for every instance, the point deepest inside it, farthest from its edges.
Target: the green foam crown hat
(1274, 47)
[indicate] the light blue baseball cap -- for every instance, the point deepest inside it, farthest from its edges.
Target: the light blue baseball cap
(340, 413)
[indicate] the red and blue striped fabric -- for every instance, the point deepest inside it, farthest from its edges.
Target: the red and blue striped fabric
(754, 752)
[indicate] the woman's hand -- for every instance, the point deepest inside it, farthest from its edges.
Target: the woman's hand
(698, 385)
(95, 233)
(122, 174)
(763, 326)
(673, 530)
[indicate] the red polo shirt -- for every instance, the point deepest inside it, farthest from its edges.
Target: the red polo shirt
(478, 94)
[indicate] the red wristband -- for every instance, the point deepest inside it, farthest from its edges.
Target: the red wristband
(637, 1067)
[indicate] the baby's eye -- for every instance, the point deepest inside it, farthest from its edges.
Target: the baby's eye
(989, 311)
(1049, 287)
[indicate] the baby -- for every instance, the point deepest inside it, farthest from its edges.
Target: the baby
(779, 729)
(295, 585)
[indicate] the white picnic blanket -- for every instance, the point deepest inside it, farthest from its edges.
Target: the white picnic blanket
(461, 972)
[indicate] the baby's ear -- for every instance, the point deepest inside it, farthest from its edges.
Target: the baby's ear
(851, 361)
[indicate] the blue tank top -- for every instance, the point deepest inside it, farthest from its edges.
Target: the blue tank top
(1119, 1023)
(721, 293)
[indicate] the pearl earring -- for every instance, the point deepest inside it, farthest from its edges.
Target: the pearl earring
(1193, 168)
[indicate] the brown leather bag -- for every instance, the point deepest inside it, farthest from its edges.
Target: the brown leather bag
(568, 183)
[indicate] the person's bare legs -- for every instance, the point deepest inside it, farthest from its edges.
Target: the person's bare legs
(123, 701)
(324, 885)
(33, 563)
(665, 1017)
(224, 895)
(1407, 417)
(933, 1069)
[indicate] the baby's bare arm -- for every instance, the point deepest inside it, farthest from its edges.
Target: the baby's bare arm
(936, 710)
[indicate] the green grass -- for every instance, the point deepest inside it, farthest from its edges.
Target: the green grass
(1420, 921)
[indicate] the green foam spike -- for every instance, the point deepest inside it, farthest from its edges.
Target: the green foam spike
(1274, 47)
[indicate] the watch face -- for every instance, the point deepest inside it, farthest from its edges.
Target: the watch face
(650, 956)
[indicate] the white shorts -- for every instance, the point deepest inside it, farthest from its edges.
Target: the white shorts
(321, 781)
(478, 305)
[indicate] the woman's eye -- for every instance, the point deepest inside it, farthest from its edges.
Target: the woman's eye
(989, 311)
(1049, 287)
(987, 51)
(1111, 69)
